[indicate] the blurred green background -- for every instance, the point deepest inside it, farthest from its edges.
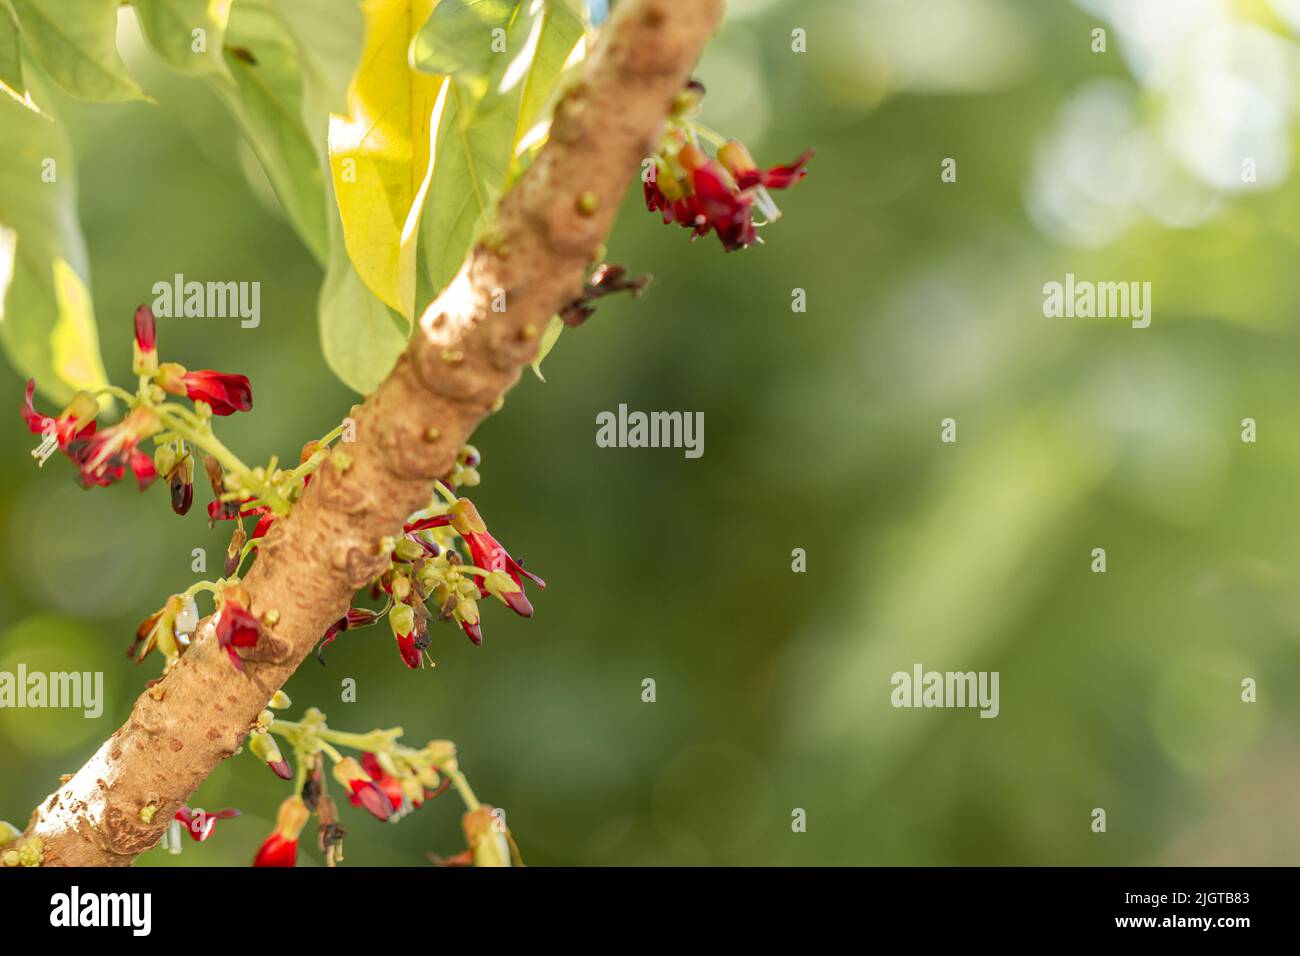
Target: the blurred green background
(1118, 690)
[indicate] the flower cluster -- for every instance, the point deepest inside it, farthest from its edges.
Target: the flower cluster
(389, 780)
(443, 564)
(713, 194)
(103, 456)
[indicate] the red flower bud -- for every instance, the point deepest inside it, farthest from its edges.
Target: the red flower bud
(145, 353)
(281, 847)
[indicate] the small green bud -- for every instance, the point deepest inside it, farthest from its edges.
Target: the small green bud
(408, 550)
(8, 833)
(402, 619)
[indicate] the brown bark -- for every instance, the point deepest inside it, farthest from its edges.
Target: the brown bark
(462, 359)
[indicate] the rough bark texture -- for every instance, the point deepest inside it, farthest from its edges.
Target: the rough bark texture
(462, 359)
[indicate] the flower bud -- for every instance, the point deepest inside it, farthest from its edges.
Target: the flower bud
(488, 837)
(8, 833)
(145, 353)
(402, 619)
(264, 747)
(180, 481)
(362, 790)
(408, 550)
(281, 847)
(81, 410)
(465, 518)
(692, 157)
(171, 378)
(735, 157)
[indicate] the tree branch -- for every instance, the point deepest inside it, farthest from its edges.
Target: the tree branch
(461, 361)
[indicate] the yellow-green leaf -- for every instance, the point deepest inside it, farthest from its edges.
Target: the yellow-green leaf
(543, 46)
(467, 177)
(497, 111)
(47, 328)
(379, 153)
(11, 61)
(76, 42)
(361, 337)
(186, 34)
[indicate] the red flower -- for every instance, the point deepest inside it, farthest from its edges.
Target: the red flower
(226, 394)
(407, 649)
(103, 457)
(385, 781)
(489, 555)
(362, 791)
(236, 625)
(403, 622)
(281, 847)
(735, 157)
(356, 617)
(720, 208)
(263, 525)
(75, 421)
(718, 195)
(200, 823)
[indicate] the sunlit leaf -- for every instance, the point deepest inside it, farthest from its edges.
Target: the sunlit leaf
(542, 46)
(379, 153)
(76, 42)
(467, 39)
(360, 336)
(47, 326)
(266, 98)
(469, 169)
(171, 28)
(496, 111)
(11, 61)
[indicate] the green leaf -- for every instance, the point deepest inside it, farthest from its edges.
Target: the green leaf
(360, 336)
(76, 42)
(469, 170)
(266, 97)
(47, 327)
(328, 35)
(496, 112)
(467, 39)
(170, 27)
(539, 47)
(11, 61)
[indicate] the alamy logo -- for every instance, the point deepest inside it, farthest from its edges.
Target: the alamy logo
(1073, 299)
(76, 689)
(651, 430)
(134, 910)
(209, 300)
(950, 689)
